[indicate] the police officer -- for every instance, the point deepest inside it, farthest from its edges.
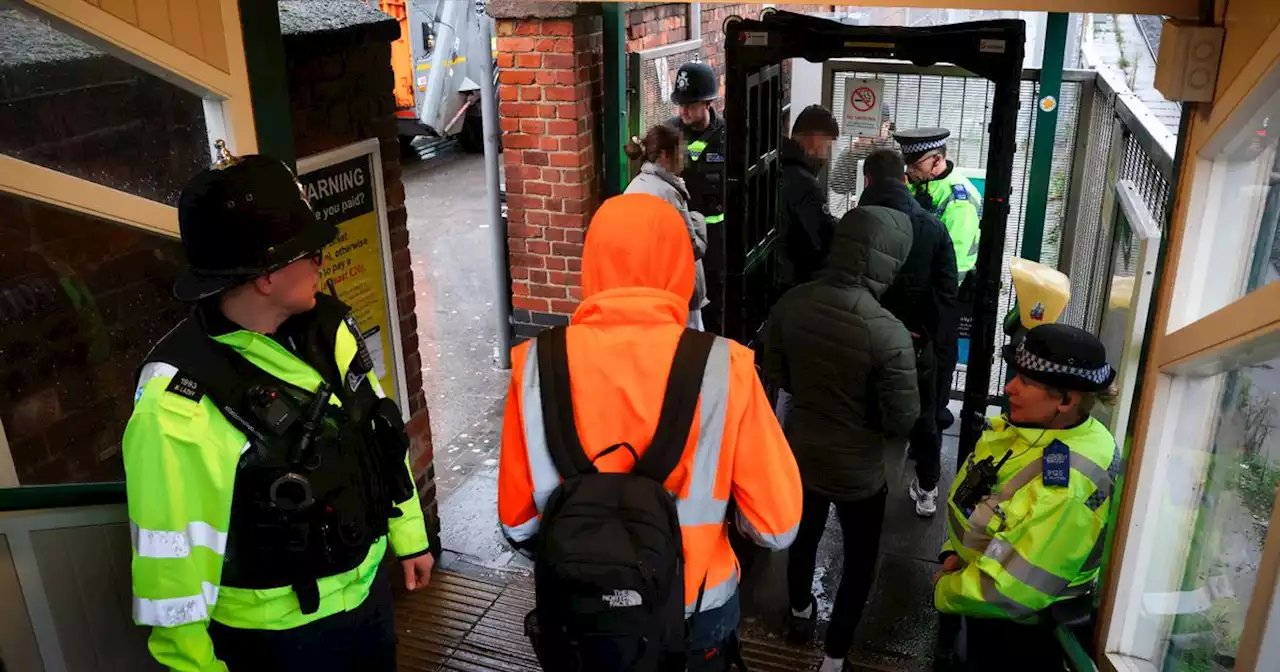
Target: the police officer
(953, 199)
(696, 87)
(1027, 511)
(266, 472)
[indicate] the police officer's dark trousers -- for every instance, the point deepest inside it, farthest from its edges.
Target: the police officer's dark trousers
(925, 439)
(361, 639)
(946, 347)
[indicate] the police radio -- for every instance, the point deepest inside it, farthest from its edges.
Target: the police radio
(978, 482)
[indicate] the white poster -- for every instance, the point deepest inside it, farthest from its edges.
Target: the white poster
(862, 105)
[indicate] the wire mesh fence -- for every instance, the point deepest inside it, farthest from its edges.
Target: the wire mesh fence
(961, 103)
(652, 74)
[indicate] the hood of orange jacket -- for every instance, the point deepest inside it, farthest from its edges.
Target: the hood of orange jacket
(637, 263)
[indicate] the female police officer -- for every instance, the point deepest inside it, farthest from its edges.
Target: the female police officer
(1027, 511)
(266, 472)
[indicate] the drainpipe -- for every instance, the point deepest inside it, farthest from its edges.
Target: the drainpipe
(497, 227)
(693, 20)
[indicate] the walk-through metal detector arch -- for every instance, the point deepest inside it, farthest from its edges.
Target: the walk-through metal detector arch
(755, 113)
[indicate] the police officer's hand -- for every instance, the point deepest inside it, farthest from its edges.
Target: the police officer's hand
(951, 563)
(417, 571)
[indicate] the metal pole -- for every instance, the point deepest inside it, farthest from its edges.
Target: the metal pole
(1055, 47)
(694, 20)
(617, 170)
(497, 226)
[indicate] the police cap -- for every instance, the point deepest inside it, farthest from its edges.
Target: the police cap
(243, 219)
(916, 142)
(1063, 357)
(695, 82)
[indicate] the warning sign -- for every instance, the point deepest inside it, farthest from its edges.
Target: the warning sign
(344, 187)
(862, 106)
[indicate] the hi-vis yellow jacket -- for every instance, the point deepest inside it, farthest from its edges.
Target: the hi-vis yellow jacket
(1028, 545)
(180, 459)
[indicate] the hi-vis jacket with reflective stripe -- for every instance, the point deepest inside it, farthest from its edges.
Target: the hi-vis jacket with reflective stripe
(180, 460)
(955, 202)
(637, 279)
(1028, 545)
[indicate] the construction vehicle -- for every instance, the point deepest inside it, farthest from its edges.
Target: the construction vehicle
(438, 68)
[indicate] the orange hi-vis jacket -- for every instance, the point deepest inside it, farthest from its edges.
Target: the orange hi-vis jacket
(637, 277)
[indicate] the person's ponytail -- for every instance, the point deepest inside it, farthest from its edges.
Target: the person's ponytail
(634, 149)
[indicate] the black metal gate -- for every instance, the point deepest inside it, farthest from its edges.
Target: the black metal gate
(754, 112)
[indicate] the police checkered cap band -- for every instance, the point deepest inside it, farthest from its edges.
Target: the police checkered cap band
(1027, 360)
(923, 146)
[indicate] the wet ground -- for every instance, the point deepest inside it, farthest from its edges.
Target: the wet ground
(449, 236)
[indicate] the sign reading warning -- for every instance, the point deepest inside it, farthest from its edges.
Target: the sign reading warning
(344, 188)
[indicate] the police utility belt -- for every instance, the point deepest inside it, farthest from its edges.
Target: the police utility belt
(316, 484)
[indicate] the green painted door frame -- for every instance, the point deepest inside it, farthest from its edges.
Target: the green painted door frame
(268, 80)
(1047, 103)
(616, 166)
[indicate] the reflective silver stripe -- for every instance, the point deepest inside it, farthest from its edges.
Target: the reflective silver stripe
(775, 542)
(1029, 473)
(992, 596)
(701, 511)
(700, 506)
(176, 544)
(1023, 570)
(543, 471)
(522, 532)
(1100, 477)
(715, 596)
(153, 370)
(245, 449)
(176, 611)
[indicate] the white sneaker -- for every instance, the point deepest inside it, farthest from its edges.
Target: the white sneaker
(830, 664)
(926, 501)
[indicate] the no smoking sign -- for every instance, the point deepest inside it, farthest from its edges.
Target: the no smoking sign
(862, 107)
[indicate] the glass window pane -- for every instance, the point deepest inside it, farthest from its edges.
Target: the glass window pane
(71, 107)
(81, 302)
(1241, 210)
(1222, 466)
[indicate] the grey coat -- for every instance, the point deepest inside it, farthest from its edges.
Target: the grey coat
(658, 181)
(848, 363)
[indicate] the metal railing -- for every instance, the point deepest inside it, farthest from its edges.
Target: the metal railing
(1121, 140)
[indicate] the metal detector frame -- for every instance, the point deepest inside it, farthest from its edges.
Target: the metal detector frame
(989, 49)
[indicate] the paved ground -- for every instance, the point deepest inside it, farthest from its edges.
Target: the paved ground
(452, 264)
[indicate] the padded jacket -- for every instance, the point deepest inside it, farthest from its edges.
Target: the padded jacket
(847, 361)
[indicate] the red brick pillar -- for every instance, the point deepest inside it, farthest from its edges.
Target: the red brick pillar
(549, 105)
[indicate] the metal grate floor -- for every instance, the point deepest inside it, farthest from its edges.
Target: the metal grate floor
(461, 624)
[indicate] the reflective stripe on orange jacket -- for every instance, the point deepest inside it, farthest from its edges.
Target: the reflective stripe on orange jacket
(637, 278)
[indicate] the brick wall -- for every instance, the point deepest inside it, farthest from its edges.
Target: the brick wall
(340, 90)
(550, 100)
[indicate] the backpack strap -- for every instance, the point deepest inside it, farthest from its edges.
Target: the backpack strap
(559, 425)
(684, 385)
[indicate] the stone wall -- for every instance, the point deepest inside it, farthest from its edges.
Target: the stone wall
(340, 91)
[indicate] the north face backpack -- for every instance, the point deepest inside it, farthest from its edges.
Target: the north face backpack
(609, 567)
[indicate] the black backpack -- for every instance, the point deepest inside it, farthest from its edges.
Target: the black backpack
(609, 568)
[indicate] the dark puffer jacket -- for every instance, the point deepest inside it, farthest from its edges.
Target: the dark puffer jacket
(924, 291)
(848, 363)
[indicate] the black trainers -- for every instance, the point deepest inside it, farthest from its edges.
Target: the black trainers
(801, 630)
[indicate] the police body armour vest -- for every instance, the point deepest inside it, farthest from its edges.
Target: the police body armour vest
(704, 168)
(316, 483)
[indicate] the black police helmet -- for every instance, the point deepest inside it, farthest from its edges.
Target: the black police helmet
(1061, 356)
(695, 82)
(243, 221)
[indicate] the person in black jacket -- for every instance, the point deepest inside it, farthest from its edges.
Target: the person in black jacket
(922, 297)
(806, 223)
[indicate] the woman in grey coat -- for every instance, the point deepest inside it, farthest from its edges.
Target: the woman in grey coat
(662, 151)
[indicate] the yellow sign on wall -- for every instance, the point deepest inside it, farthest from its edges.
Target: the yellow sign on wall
(344, 187)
